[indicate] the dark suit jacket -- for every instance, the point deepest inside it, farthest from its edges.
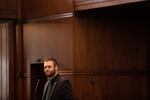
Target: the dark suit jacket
(61, 89)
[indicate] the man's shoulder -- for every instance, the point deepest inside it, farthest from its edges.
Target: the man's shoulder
(61, 79)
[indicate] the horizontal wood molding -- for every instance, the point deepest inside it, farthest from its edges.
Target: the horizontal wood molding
(105, 73)
(7, 15)
(99, 73)
(50, 18)
(91, 4)
(42, 8)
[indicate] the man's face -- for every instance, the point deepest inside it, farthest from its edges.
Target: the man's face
(49, 68)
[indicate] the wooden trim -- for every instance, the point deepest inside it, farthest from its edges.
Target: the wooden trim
(26, 75)
(82, 2)
(11, 37)
(5, 71)
(49, 18)
(19, 95)
(7, 16)
(91, 4)
(100, 73)
(106, 73)
(0, 63)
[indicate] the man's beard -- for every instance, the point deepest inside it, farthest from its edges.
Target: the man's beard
(51, 73)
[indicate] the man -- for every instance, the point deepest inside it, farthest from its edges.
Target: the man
(56, 87)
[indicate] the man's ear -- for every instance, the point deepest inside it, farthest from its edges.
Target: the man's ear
(56, 68)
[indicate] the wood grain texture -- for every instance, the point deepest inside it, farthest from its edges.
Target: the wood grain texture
(49, 39)
(110, 87)
(110, 54)
(92, 4)
(6, 61)
(8, 9)
(43, 8)
(109, 39)
(104, 51)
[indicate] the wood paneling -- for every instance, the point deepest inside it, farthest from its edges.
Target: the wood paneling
(112, 87)
(106, 50)
(42, 40)
(110, 54)
(6, 61)
(92, 4)
(49, 39)
(4, 68)
(111, 39)
(108, 85)
(50, 18)
(11, 41)
(19, 62)
(42, 8)
(8, 8)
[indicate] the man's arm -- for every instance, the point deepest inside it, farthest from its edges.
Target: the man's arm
(67, 90)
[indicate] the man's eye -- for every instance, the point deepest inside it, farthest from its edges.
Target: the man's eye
(49, 66)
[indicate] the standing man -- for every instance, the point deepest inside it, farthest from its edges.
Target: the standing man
(56, 87)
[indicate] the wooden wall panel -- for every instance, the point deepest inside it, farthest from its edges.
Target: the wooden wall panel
(110, 54)
(110, 40)
(105, 48)
(41, 8)
(49, 39)
(42, 40)
(8, 8)
(114, 87)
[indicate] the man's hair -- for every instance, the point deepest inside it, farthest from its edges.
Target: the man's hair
(51, 59)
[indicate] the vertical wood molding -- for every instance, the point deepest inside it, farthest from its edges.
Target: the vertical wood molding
(4, 88)
(0, 63)
(19, 53)
(11, 42)
(19, 62)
